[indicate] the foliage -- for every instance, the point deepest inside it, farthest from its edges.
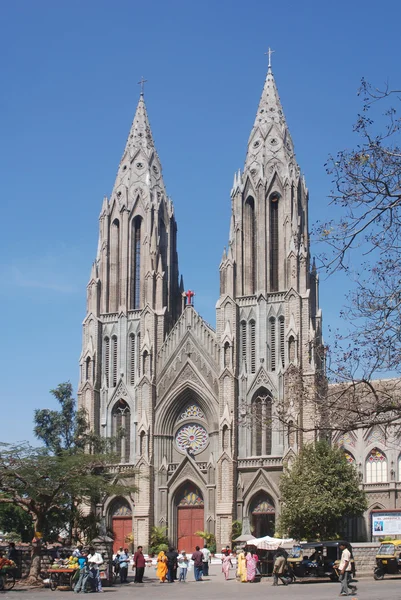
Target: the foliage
(209, 539)
(363, 243)
(14, 520)
(158, 540)
(318, 492)
(236, 530)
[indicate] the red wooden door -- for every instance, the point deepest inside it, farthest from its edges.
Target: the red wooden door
(189, 520)
(122, 526)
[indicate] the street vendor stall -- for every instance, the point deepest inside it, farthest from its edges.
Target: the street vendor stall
(266, 548)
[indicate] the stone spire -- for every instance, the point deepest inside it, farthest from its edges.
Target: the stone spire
(140, 164)
(270, 137)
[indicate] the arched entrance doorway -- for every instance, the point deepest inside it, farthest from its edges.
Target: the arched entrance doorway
(263, 515)
(121, 522)
(190, 517)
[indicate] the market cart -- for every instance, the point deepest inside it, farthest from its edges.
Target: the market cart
(62, 577)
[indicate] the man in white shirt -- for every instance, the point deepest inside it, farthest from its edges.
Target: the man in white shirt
(95, 559)
(206, 559)
(345, 571)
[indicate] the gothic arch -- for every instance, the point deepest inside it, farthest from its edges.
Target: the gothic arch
(169, 410)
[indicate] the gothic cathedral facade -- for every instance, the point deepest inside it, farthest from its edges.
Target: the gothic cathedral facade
(209, 416)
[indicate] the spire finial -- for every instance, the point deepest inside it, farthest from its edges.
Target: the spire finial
(269, 54)
(142, 84)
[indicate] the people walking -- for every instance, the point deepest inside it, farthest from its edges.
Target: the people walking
(139, 564)
(226, 565)
(280, 563)
(345, 569)
(183, 563)
(241, 566)
(123, 558)
(197, 557)
(95, 559)
(251, 562)
(206, 559)
(161, 571)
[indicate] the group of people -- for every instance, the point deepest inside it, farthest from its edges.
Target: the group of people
(247, 564)
(121, 561)
(89, 562)
(169, 562)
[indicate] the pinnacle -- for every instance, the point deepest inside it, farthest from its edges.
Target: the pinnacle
(140, 135)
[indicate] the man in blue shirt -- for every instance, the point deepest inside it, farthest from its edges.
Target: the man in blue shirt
(123, 559)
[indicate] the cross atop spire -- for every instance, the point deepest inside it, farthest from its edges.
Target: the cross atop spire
(142, 84)
(269, 54)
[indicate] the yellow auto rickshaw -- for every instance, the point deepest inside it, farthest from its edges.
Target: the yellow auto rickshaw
(388, 559)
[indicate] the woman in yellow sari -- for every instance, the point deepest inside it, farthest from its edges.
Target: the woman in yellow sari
(162, 569)
(241, 567)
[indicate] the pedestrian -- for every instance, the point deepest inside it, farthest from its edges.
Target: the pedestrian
(172, 556)
(251, 566)
(183, 563)
(12, 553)
(206, 559)
(345, 569)
(139, 564)
(241, 566)
(161, 571)
(280, 563)
(80, 586)
(226, 565)
(95, 559)
(123, 558)
(197, 557)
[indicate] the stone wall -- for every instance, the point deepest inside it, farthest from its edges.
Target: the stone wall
(364, 555)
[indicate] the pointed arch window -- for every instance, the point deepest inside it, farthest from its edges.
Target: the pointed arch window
(142, 439)
(262, 423)
(114, 266)
(249, 246)
(107, 360)
(227, 361)
(243, 341)
(114, 357)
(121, 429)
(135, 296)
(132, 361)
(274, 241)
(252, 338)
(291, 349)
(272, 343)
(376, 467)
(281, 342)
(88, 368)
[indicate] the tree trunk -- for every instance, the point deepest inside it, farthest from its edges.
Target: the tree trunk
(36, 554)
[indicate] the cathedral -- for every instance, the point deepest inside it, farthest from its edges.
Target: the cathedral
(209, 416)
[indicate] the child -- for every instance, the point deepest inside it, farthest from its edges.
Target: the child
(183, 563)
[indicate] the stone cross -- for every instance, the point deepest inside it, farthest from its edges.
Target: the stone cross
(269, 54)
(142, 84)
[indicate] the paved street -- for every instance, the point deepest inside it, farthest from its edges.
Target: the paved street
(215, 588)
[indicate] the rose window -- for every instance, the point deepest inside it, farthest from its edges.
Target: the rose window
(191, 437)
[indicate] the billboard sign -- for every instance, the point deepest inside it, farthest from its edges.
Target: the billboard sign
(386, 523)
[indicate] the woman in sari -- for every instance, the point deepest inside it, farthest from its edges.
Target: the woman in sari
(226, 565)
(241, 567)
(251, 566)
(162, 569)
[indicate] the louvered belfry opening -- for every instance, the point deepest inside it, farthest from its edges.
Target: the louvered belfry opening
(121, 429)
(135, 296)
(274, 242)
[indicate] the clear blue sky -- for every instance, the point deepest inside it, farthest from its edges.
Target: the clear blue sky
(69, 90)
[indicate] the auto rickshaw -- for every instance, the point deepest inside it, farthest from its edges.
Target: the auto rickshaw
(317, 560)
(388, 559)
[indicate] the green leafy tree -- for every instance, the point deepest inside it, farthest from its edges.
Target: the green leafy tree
(14, 520)
(208, 538)
(318, 492)
(236, 530)
(158, 539)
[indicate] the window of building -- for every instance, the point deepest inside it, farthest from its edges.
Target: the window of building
(291, 349)
(107, 359)
(376, 467)
(249, 246)
(132, 352)
(274, 241)
(252, 336)
(272, 340)
(243, 341)
(114, 369)
(121, 429)
(261, 423)
(135, 296)
(88, 368)
(282, 343)
(227, 361)
(114, 266)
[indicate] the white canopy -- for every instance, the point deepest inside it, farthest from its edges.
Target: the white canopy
(268, 543)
